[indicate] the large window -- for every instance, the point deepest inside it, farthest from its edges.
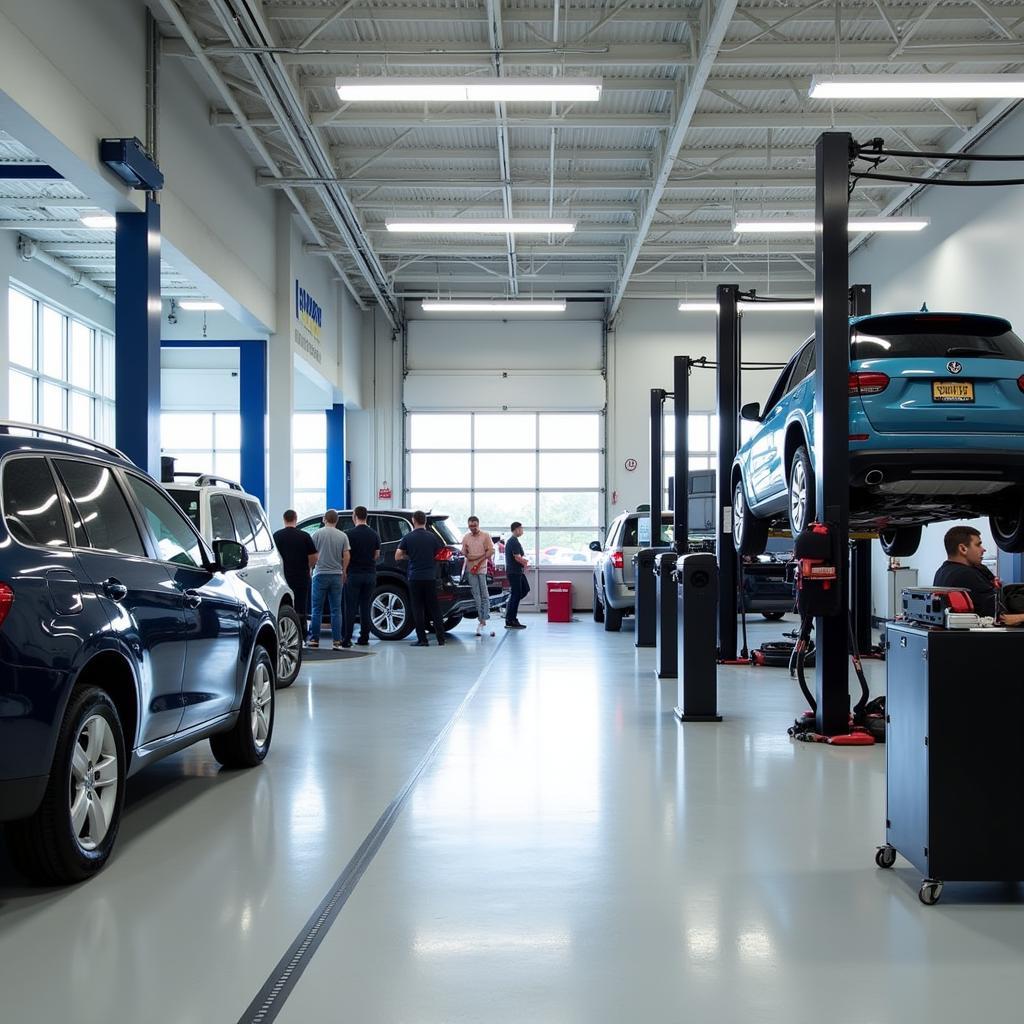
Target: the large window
(702, 430)
(203, 442)
(542, 469)
(61, 369)
(309, 462)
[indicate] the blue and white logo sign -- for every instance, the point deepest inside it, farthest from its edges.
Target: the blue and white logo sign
(308, 312)
(954, 367)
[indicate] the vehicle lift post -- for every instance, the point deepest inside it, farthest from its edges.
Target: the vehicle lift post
(645, 594)
(832, 414)
(727, 355)
(860, 565)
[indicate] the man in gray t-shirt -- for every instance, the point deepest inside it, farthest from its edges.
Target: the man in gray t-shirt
(332, 554)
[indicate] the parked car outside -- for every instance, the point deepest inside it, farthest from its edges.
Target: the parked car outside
(390, 608)
(124, 637)
(221, 510)
(936, 406)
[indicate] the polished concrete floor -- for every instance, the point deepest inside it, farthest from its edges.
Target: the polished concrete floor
(567, 854)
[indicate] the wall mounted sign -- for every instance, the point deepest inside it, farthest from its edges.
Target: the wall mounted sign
(309, 316)
(384, 493)
(631, 465)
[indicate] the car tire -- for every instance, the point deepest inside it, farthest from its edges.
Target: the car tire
(390, 612)
(289, 646)
(800, 491)
(749, 534)
(71, 835)
(1008, 531)
(773, 616)
(612, 619)
(452, 621)
(598, 607)
(247, 743)
(900, 541)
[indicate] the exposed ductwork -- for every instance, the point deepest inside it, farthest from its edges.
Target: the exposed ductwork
(29, 250)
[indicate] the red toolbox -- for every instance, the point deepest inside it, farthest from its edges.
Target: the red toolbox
(559, 601)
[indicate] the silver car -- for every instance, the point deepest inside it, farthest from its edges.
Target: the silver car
(614, 590)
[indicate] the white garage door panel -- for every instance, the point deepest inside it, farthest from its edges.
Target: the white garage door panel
(532, 391)
(504, 345)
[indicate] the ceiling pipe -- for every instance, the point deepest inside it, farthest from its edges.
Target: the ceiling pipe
(28, 250)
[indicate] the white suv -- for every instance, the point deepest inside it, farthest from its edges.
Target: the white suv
(221, 510)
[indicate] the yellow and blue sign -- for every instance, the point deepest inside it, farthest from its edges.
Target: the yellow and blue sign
(308, 312)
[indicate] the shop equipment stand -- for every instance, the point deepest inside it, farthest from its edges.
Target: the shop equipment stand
(955, 773)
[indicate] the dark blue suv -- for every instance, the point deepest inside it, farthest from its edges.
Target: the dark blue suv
(123, 638)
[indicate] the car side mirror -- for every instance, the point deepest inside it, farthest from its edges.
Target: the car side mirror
(595, 545)
(751, 411)
(228, 555)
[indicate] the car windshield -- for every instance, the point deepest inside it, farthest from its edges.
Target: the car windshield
(935, 335)
(188, 500)
(440, 526)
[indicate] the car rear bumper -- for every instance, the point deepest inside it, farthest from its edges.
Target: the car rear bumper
(20, 798)
(992, 466)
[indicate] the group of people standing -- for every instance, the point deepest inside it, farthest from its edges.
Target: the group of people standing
(343, 564)
(344, 570)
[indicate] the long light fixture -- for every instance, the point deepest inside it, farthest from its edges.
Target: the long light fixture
(857, 225)
(496, 306)
(483, 227)
(99, 222)
(776, 307)
(199, 305)
(468, 90)
(926, 87)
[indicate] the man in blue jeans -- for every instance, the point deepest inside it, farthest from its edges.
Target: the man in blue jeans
(364, 550)
(332, 555)
(515, 568)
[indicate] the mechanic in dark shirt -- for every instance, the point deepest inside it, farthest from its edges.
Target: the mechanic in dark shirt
(963, 569)
(419, 548)
(515, 568)
(364, 545)
(298, 553)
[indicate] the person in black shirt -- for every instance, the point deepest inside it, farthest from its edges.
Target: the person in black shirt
(963, 569)
(362, 577)
(515, 567)
(298, 553)
(419, 548)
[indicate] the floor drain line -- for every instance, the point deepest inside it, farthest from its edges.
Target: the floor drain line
(272, 996)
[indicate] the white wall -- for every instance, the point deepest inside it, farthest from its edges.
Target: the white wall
(648, 335)
(968, 259)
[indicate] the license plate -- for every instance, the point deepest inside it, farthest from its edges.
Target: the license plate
(952, 391)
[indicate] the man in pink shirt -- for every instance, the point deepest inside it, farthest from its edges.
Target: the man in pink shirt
(478, 548)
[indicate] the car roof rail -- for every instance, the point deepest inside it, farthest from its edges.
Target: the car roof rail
(211, 480)
(6, 426)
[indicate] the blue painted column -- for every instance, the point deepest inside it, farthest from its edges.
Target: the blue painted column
(252, 393)
(137, 336)
(336, 457)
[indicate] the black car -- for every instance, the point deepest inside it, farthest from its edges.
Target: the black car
(390, 610)
(123, 638)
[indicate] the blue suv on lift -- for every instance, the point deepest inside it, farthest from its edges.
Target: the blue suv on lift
(123, 638)
(936, 432)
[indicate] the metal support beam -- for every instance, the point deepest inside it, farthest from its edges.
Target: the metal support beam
(336, 457)
(137, 336)
(727, 383)
(252, 395)
(832, 416)
(29, 172)
(657, 464)
(681, 472)
(860, 563)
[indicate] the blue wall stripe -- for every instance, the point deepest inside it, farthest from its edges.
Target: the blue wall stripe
(336, 496)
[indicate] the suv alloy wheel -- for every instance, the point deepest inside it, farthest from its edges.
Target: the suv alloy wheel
(390, 612)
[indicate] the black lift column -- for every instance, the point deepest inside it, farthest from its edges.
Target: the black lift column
(832, 413)
(727, 355)
(860, 563)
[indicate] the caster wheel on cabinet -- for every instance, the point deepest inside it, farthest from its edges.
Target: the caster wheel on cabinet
(885, 856)
(930, 892)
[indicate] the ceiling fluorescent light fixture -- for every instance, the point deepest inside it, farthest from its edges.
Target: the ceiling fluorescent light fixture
(468, 90)
(698, 307)
(199, 305)
(924, 87)
(100, 221)
(857, 225)
(497, 306)
(483, 227)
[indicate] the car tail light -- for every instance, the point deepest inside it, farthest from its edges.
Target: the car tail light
(616, 559)
(6, 600)
(1020, 383)
(857, 437)
(868, 383)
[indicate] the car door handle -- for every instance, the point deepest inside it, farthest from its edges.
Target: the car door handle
(115, 589)
(193, 599)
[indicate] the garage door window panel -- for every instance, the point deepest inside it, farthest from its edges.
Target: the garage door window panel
(430, 469)
(503, 433)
